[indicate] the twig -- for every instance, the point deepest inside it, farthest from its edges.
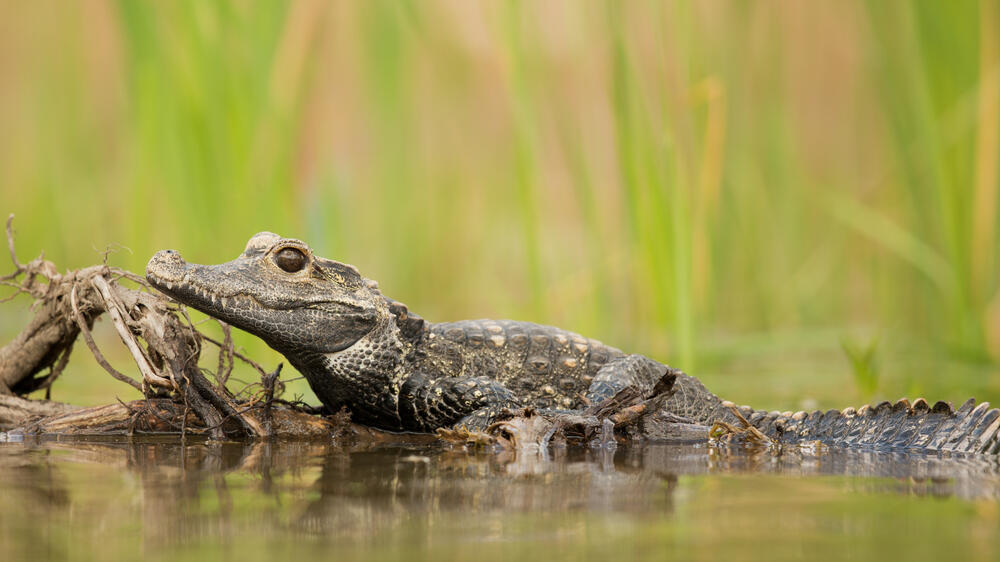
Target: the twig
(10, 246)
(16, 293)
(209, 415)
(184, 419)
(123, 274)
(221, 402)
(237, 414)
(114, 308)
(225, 356)
(237, 355)
(268, 382)
(724, 430)
(82, 324)
(152, 410)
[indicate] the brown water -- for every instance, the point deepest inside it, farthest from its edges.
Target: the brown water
(152, 500)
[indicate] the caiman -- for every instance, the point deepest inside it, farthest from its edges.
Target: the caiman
(364, 351)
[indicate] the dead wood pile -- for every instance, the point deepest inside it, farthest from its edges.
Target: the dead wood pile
(179, 396)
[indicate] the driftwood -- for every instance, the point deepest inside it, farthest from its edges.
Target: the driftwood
(180, 398)
(167, 416)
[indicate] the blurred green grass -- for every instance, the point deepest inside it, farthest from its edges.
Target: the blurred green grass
(732, 188)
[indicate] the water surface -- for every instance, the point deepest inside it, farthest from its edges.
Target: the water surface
(161, 500)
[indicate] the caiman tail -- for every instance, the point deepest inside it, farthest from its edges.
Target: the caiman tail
(903, 426)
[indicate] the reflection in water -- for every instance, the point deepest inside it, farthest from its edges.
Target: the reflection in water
(155, 497)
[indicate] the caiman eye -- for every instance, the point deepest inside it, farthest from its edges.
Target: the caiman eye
(290, 259)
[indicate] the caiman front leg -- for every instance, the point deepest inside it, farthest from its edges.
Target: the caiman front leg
(471, 402)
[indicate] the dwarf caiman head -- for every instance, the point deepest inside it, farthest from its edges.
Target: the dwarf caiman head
(278, 290)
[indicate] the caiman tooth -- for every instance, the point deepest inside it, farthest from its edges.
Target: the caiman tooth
(877, 427)
(969, 427)
(225, 302)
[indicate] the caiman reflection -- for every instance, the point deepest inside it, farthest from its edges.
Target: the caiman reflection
(424, 503)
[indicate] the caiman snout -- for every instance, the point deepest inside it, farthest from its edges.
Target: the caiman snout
(166, 266)
(202, 287)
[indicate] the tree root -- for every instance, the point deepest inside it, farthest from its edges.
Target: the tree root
(15, 410)
(163, 416)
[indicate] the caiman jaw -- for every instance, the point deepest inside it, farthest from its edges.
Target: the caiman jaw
(170, 274)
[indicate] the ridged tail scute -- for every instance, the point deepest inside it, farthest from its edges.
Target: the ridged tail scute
(886, 426)
(901, 426)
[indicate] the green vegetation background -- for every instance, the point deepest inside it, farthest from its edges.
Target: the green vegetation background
(795, 201)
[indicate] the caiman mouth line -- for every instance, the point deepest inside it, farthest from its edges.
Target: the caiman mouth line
(184, 287)
(179, 290)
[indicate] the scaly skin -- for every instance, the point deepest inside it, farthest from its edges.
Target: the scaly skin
(360, 349)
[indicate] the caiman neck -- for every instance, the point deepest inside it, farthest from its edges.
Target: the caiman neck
(369, 373)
